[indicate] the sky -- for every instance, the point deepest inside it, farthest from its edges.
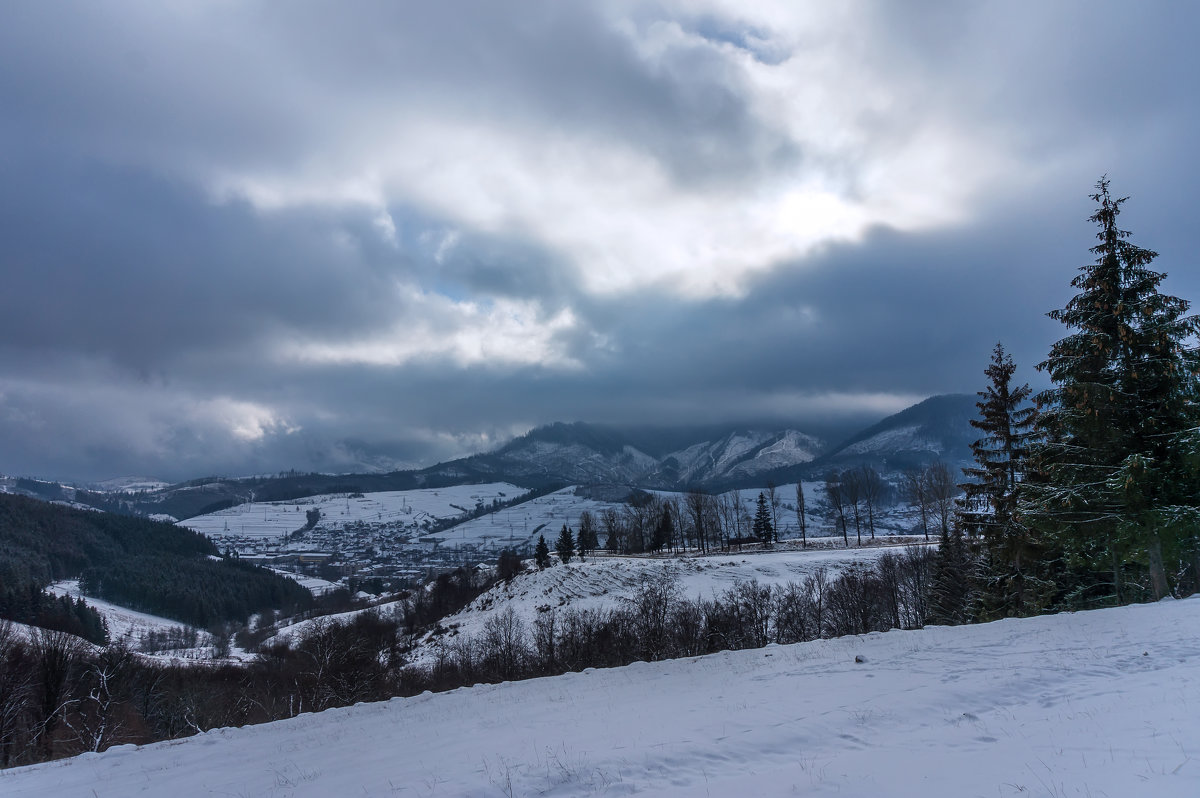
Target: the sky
(240, 237)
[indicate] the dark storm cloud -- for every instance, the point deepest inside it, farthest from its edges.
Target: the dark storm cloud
(201, 272)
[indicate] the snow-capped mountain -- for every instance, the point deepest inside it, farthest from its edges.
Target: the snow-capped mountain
(938, 428)
(716, 458)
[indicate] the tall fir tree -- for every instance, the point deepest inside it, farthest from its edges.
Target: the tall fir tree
(988, 508)
(1118, 492)
(764, 530)
(950, 585)
(565, 545)
(541, 553)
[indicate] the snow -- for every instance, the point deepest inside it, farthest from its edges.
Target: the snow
(1097, 704)
(517, 526)
(315, 585)
(408, 508)
(907, 439)
(131, 484)
(126, 624)
(607, 582)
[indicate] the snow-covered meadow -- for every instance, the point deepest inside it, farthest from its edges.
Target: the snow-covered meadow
(132, 627)
(408, 508)
(607, 582)
(1102, 703)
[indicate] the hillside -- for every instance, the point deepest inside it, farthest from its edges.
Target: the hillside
(938, 428)
(1096, 703)
(145, 565)
(607, 583)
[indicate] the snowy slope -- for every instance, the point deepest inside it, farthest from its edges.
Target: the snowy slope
(409, 508)
(129, 625)
(1090, 704)
(520, 525)
(742, 454)
(607, 582)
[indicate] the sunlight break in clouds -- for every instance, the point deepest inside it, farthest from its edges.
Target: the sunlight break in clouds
(503, 332)
(871, 150)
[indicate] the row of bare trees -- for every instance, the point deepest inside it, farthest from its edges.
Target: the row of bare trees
(705, 522)
(659, 622)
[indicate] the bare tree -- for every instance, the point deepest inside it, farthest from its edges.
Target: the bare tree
(942, 492)
(802, 513)
(852, 489)
(504, 651)
(916, 492)
(16, 689)
(56, 656)
(613, 533)
(102, 713)
(872, 493)
(836, 496)
(738, 510)
(700, 513)
(773, 502)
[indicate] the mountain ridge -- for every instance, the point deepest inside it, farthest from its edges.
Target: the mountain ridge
(563, 453)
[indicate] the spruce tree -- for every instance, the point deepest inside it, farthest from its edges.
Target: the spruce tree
(950, 593)
(1118, 491)
(988, 508)
(763, 529)
(662, 530)
(565, 545)
(541, 553)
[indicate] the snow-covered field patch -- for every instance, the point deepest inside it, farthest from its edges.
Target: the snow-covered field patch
(408, 508)
(131, 626)
(609, 582)
(1101, 703)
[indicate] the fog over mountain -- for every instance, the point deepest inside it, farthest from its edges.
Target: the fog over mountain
(238, 239)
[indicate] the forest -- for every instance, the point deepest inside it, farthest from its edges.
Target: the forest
(150, 566)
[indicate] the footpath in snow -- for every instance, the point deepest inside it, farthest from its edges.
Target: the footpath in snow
(1103, 703)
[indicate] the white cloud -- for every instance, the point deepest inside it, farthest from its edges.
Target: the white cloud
(503, 332)
(874, 148)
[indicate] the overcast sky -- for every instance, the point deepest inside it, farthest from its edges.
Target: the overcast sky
(238, 237)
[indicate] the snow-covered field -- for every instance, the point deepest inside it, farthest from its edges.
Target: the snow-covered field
(1102, 703)
(315, 585)
(607, 582)
(405, 507)
(129, 625)
(520, 525)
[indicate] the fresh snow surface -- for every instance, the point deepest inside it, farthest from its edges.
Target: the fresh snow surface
(520, 525)
(407, 508)
(315, 585)
(608, 582)
(1095, 704)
